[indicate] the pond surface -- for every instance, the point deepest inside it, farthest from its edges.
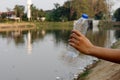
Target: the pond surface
(43, 55)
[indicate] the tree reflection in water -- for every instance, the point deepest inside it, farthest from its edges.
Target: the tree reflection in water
(97, 38)
(52, 55)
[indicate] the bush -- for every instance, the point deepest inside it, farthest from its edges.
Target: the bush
(117, 14)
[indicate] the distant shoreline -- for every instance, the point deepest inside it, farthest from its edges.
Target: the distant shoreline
(16, 26)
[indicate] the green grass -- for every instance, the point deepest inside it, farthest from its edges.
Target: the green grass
(54, 25)
(84, 74)
(46, 25)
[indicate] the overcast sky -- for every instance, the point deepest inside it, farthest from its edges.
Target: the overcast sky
(41, 4)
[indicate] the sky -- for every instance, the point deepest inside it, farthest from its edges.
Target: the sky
(116, 4)
(41, 4)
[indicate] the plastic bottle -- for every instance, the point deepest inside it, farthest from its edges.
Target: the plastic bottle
(81, 24)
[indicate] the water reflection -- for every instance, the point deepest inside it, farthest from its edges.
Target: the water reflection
(47, 60)
(101, 38)
(29, 44)
(117, 34)
(97, 38)
(110, 38)
(19, 37)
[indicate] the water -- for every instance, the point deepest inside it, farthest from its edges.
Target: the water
(39, 55)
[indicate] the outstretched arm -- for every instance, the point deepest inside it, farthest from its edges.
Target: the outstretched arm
(82, 44)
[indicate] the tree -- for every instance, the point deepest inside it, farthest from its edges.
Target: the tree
(62, 13)
(73, 12)
(109, 5)
(41, 13)
(3, 16)
(117, 14)
(90, 7)
(36, 13)
(57, 5)
(99, 9)
(19, 11)
(79, 7)
(73, 9)
(59, 14)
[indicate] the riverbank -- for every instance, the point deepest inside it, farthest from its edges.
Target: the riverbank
(104, 70)
(108, 23)
(54, 25)
(12, 24)
(23, 26)
(40, 25)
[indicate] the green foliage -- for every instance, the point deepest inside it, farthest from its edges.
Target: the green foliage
(73, 12)
(99, 16)
(49, 16)
(101, 10)
(61, 13)
(56, 5)
(83, 75)
(3, 15)
(19, 10)
(94, 8)
(117, 14)
(36, 13)
(80, 6)
(54, 25)
(24, 17)
(73, 9)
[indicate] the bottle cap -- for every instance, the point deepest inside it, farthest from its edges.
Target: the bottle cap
(85, 16)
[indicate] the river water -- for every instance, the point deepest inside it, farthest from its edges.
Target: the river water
(42, 54)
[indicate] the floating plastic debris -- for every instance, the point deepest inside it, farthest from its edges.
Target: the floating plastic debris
(75, 76)
(57, 78)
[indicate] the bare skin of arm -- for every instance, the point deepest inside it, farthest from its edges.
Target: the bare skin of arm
(82, 44)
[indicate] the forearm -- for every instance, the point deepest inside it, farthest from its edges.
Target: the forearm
(112, 55)
(82, 44)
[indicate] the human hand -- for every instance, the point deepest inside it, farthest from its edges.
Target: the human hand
(80, 42)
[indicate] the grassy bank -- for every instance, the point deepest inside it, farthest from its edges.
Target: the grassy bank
(12, 24)
(41, 25)
(54, 25)
(109, 25)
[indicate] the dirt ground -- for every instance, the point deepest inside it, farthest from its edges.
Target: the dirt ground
(104, 70)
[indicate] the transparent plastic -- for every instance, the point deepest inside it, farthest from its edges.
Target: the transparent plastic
(81, 25)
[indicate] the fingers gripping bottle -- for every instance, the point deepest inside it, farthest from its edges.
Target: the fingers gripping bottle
(81, 25)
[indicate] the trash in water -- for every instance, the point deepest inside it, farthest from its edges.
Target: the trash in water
(57, 78)
(75, 76)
